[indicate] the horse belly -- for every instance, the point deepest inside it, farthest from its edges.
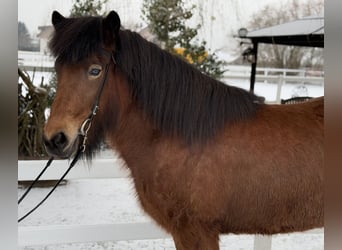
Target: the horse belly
(276, 208)
(277, 169)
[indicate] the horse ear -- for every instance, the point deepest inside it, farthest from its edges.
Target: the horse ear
(112, 22)
(111, 27)
(57, 18)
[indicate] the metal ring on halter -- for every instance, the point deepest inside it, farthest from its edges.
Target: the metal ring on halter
(83, 146)
(85, 127)
(96, 108)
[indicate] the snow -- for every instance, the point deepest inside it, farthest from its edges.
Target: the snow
(288, 90)
(36, 77)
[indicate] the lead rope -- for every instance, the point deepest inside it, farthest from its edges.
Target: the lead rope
(79, 151)
(83, 132)
(34, 182)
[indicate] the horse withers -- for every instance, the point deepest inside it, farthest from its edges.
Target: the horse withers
(205, 158)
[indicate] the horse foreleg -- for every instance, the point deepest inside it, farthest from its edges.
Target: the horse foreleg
(196, 240)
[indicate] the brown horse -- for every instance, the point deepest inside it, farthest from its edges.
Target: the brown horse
(205, 158)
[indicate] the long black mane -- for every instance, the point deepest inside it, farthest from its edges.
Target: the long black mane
(178, 98)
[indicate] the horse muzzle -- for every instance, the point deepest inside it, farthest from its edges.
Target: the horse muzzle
(60, 146)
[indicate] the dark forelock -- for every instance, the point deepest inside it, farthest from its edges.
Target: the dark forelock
(75, 39)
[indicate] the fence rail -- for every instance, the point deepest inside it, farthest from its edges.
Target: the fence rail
(100, 168)
(62, 234)
(43, 63)
(279, 80)
(262, 71)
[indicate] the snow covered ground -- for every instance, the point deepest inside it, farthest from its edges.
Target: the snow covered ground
(288, 90)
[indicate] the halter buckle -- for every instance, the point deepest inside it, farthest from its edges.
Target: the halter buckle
(85, 127)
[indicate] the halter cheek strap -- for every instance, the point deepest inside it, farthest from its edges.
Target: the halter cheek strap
(88, 122)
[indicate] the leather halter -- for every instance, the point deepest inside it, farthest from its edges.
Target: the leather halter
(87, 123)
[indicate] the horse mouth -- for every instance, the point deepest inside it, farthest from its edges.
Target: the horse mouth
(60, 150)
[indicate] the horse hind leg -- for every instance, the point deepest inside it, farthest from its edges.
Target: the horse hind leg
(196, 239)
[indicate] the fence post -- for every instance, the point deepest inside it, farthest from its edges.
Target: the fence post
(266, 74)
(262, 242)
(279, 86)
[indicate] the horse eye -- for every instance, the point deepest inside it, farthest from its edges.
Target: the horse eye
(94, 70)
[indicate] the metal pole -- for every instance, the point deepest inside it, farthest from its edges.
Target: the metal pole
(262, 242)
(254, 64)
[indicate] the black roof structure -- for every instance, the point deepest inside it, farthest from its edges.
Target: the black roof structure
(308, 31)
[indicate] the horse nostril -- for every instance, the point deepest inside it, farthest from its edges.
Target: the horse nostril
(59, 141)
(58, 145)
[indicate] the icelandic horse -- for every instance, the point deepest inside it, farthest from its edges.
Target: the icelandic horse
(206, 158)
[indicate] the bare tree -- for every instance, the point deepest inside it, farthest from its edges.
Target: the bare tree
(281, 56)
(32, 102)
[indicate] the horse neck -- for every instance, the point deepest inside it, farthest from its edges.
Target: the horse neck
(132, 129)
(134, 142)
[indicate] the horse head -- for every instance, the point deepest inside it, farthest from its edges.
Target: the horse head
(84, 49)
